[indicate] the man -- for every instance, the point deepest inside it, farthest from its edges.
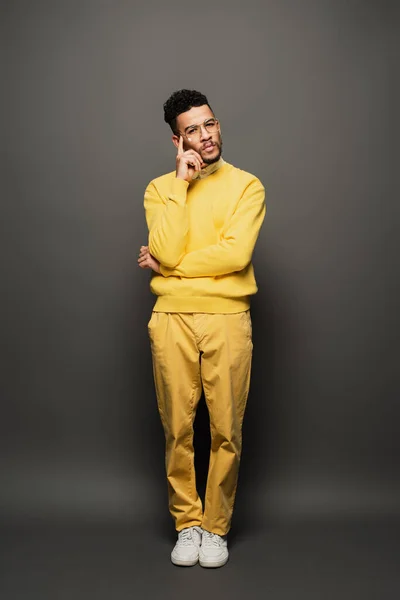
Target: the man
(203, 219)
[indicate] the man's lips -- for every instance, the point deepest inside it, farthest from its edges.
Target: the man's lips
(208, 146)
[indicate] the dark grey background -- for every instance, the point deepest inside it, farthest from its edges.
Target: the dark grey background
(305, 94)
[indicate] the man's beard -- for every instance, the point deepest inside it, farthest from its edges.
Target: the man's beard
(210, 161)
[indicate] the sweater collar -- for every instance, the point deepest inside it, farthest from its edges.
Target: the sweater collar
(209, 169)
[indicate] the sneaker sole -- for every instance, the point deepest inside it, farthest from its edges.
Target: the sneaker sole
(213, 565)
(184, 563)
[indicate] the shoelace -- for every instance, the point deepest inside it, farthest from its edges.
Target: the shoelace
(212, 539)
(185, 537)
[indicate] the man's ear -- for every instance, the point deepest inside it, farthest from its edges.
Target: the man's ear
(175, 140)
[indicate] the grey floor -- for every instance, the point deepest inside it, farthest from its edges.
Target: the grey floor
(289, 559)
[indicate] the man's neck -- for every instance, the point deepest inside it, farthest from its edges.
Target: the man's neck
(208, 169)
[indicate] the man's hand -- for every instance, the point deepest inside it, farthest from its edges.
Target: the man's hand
(187, 163)
(147, 261)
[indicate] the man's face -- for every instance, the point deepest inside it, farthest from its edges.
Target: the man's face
(208, 145)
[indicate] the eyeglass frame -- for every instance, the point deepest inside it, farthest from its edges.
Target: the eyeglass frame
(201, 125)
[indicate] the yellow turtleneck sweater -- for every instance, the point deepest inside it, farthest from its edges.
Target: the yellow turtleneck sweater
(203, 234)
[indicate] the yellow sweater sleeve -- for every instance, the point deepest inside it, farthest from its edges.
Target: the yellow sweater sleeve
(167, 221)
(238, 238)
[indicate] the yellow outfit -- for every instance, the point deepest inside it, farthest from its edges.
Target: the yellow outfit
(203, 234)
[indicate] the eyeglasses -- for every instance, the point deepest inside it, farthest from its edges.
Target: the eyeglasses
(193, 132)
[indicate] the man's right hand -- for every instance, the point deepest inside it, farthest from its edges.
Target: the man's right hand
(187, 163)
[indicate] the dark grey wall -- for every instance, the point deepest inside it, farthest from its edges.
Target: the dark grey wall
(305, 95)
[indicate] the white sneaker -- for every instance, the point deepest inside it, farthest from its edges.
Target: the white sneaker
(186, 550)
(213, 550)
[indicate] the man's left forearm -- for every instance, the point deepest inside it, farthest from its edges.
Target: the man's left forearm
(219, 259)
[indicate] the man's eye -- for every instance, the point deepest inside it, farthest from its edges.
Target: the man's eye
(191, 130)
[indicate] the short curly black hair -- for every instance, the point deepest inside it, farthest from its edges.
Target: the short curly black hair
(180, 102)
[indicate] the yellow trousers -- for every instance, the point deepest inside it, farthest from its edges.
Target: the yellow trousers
(191, 352)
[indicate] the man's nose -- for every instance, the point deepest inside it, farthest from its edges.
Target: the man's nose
(205, 135)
